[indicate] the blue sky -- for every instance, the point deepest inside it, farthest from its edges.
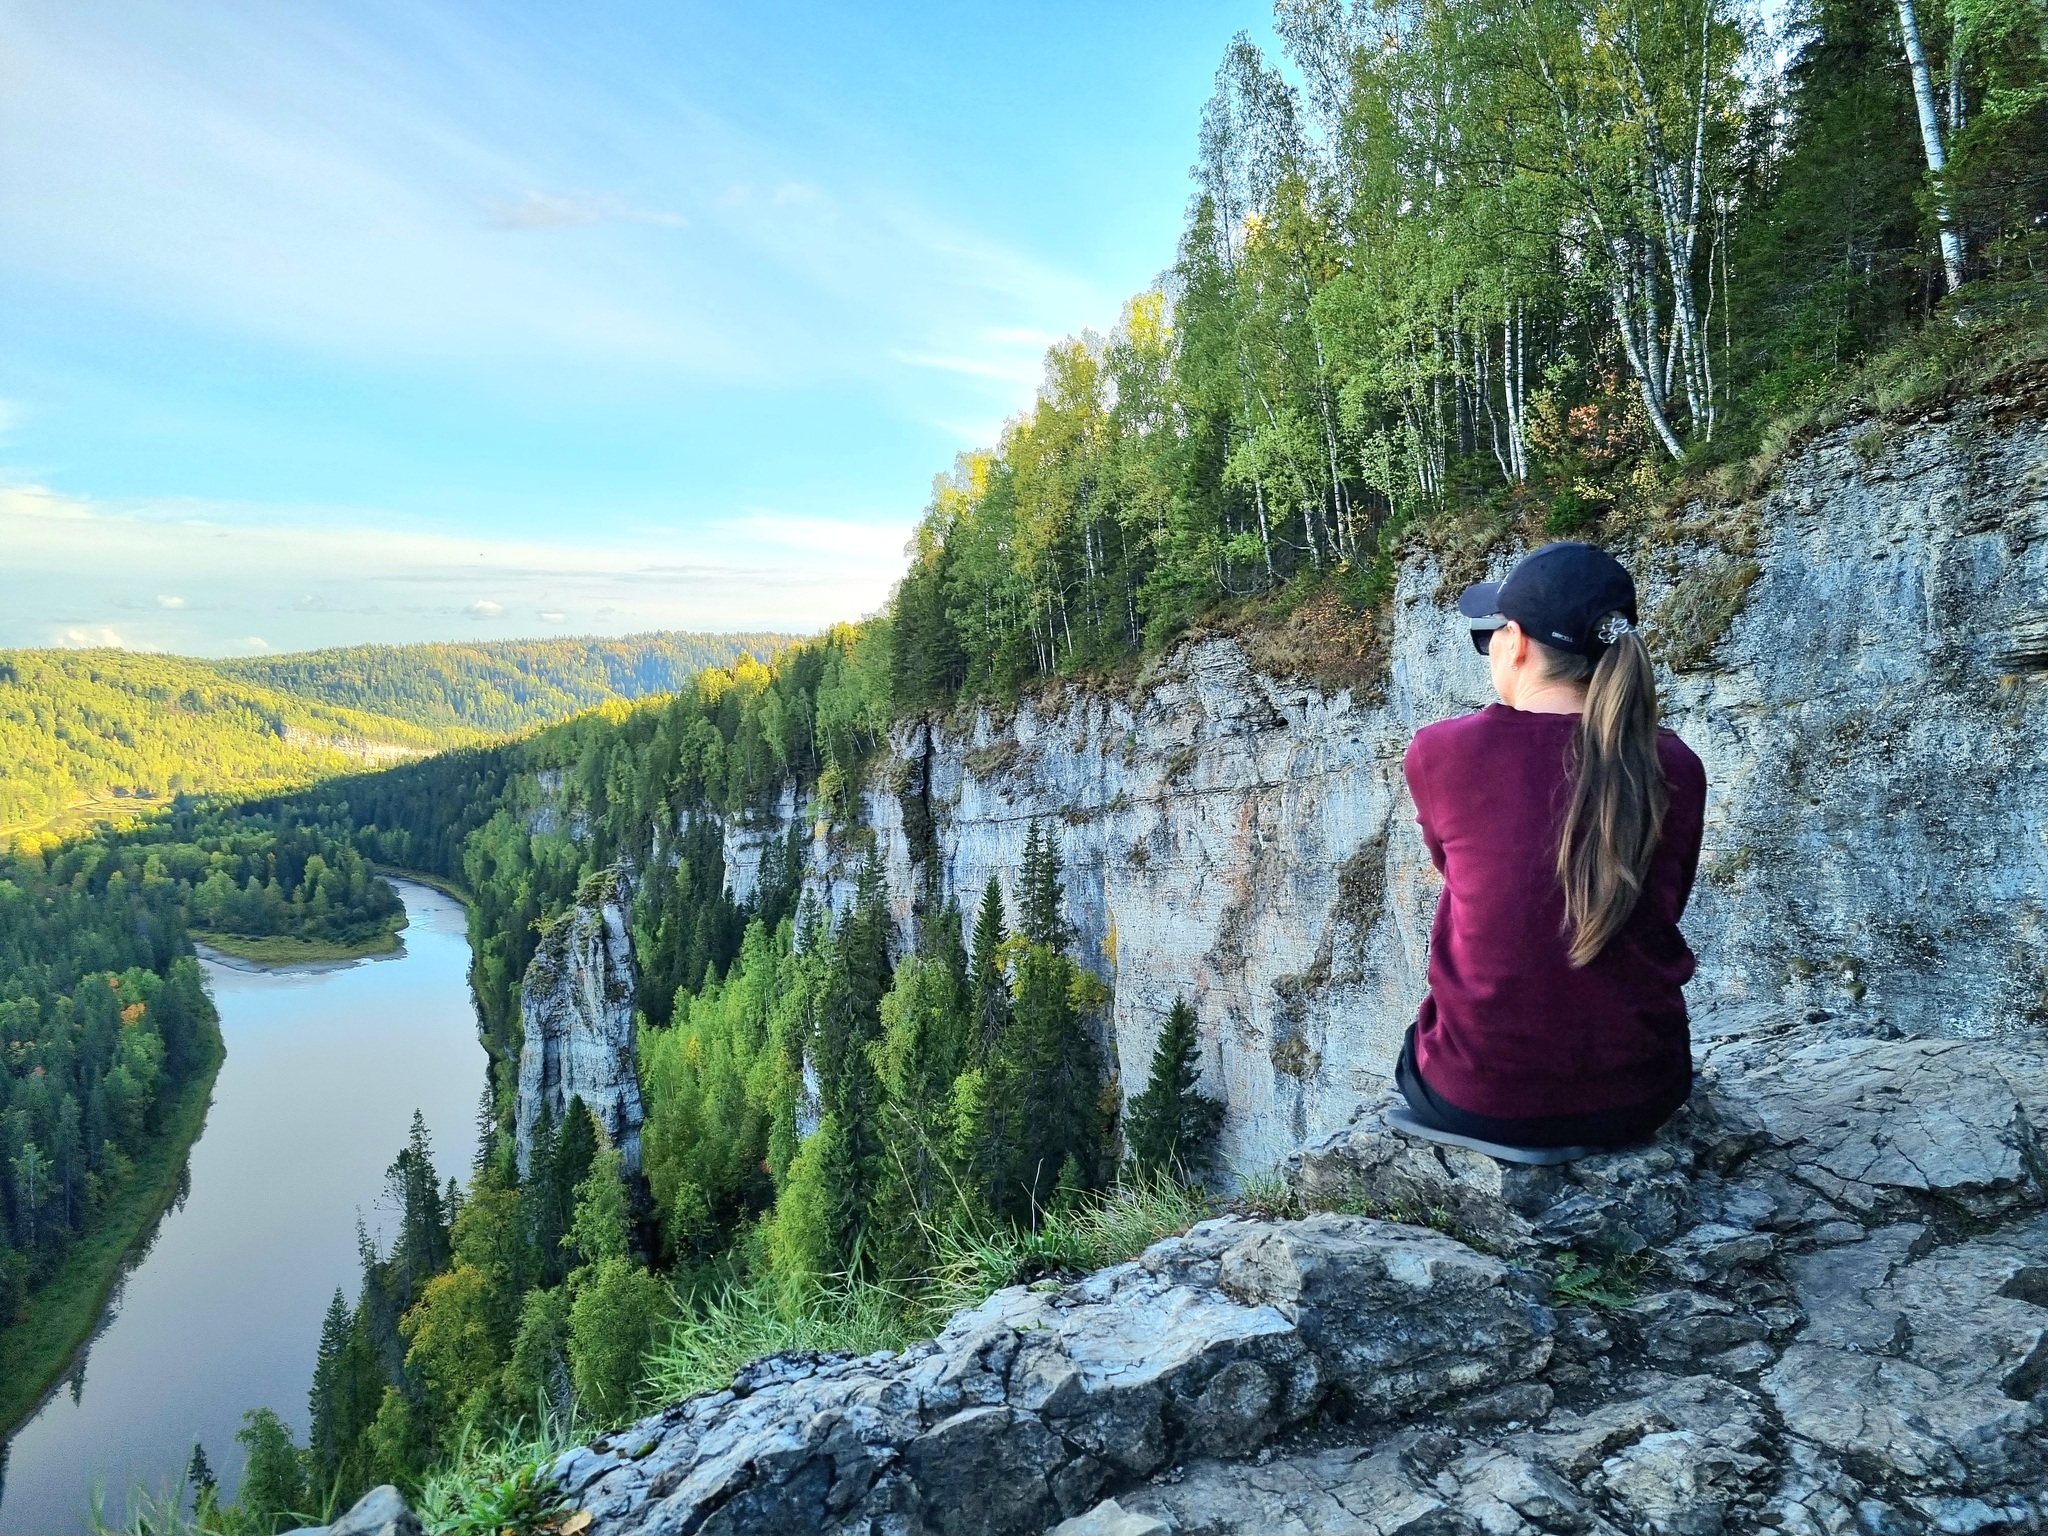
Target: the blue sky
(348, 320)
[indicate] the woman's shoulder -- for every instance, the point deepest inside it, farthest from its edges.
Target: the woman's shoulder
(1449, 735)
(1680, 763)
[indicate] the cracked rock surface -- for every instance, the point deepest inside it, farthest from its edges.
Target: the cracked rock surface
(1839, 1324)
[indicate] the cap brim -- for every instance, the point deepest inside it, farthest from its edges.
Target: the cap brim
(1481, 600)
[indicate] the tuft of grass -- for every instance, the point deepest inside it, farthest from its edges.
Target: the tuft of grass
(1691, 622)
(977, 1258)
(723, 1327)
(1611, 1286)
(496, 1486)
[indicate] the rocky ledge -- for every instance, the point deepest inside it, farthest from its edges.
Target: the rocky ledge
(1818, 1303)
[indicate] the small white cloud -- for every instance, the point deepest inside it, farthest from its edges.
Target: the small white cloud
(90, 636)
(1010, 372)
(164, 600)
(1021, 336)
(573, 210)
(548, 616)
(484, 608)
(254, 643)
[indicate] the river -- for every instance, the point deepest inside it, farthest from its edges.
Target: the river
(221, 1310)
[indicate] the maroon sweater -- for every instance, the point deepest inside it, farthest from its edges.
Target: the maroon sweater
(1509, 1028)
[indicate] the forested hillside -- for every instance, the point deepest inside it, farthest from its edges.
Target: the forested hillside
(99, 731)
(499, 687)
(1456, 273)
(86, 733)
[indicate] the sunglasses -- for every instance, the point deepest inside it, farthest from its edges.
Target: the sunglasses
(1483, 632)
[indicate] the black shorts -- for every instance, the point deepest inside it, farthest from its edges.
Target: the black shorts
(1594, 1128)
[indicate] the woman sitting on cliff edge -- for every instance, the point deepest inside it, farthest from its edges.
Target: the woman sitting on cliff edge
(1566, 825)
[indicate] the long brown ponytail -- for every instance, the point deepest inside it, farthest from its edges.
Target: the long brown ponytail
(1618, 793)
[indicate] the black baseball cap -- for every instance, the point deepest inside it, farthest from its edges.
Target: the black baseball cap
(1564, 595)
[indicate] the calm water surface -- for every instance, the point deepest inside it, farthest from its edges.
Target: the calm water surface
(325, 1066)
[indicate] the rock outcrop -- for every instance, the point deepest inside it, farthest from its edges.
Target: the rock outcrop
(576, 1004)
(1870, 717)
(1817, 1304)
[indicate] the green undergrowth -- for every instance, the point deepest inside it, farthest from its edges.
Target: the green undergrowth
(722, 1327)
(1269, 1197)
(1611, 1285)
(38, 1347)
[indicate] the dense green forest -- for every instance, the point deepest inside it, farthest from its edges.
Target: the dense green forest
(91, 733)
(499, 688)
(1456, 271)
(104, 1021)
(97, 731)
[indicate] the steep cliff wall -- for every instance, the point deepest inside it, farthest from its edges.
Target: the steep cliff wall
(576, 1006)
(1871, 722)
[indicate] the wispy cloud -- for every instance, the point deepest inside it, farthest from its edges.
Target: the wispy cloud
(165, 601)
(313, 176)
(308, 577)
(978, 367)
(573, 210)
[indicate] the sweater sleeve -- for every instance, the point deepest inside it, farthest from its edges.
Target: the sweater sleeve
(1685, 820)
(1413, 767)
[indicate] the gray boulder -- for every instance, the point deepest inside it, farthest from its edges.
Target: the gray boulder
(380, 1512)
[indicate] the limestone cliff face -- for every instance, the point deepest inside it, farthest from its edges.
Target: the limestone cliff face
(1871, 722)
(576, 1004)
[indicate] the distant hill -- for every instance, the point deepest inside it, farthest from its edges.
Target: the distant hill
(85, 732)
(499, 687)
(91, 733)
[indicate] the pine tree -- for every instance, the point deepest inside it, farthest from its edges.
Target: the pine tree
(1171, 1128)
(1042, 904)
(1047, 1086)
(991, 989)
(414, 1188)
(327, 1399)
(858, 975)
(199, 1477)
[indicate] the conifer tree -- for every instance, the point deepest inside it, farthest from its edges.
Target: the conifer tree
(327, 1401)
(413, 1187)
(991, 999)
(200, 1479)
(1042, 904)
(857, 977)
(1048, 1086)
(1170, 1129)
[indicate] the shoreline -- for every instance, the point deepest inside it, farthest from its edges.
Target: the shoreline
(421, 877)
(37, 1351)
(284, 950)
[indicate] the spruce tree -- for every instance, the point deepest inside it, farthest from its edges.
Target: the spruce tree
(991, 989)
(858, 975)
(327, 1401)
(1043, 901)
(199, 1477)
(1171, 1128)
(1048, 1086)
